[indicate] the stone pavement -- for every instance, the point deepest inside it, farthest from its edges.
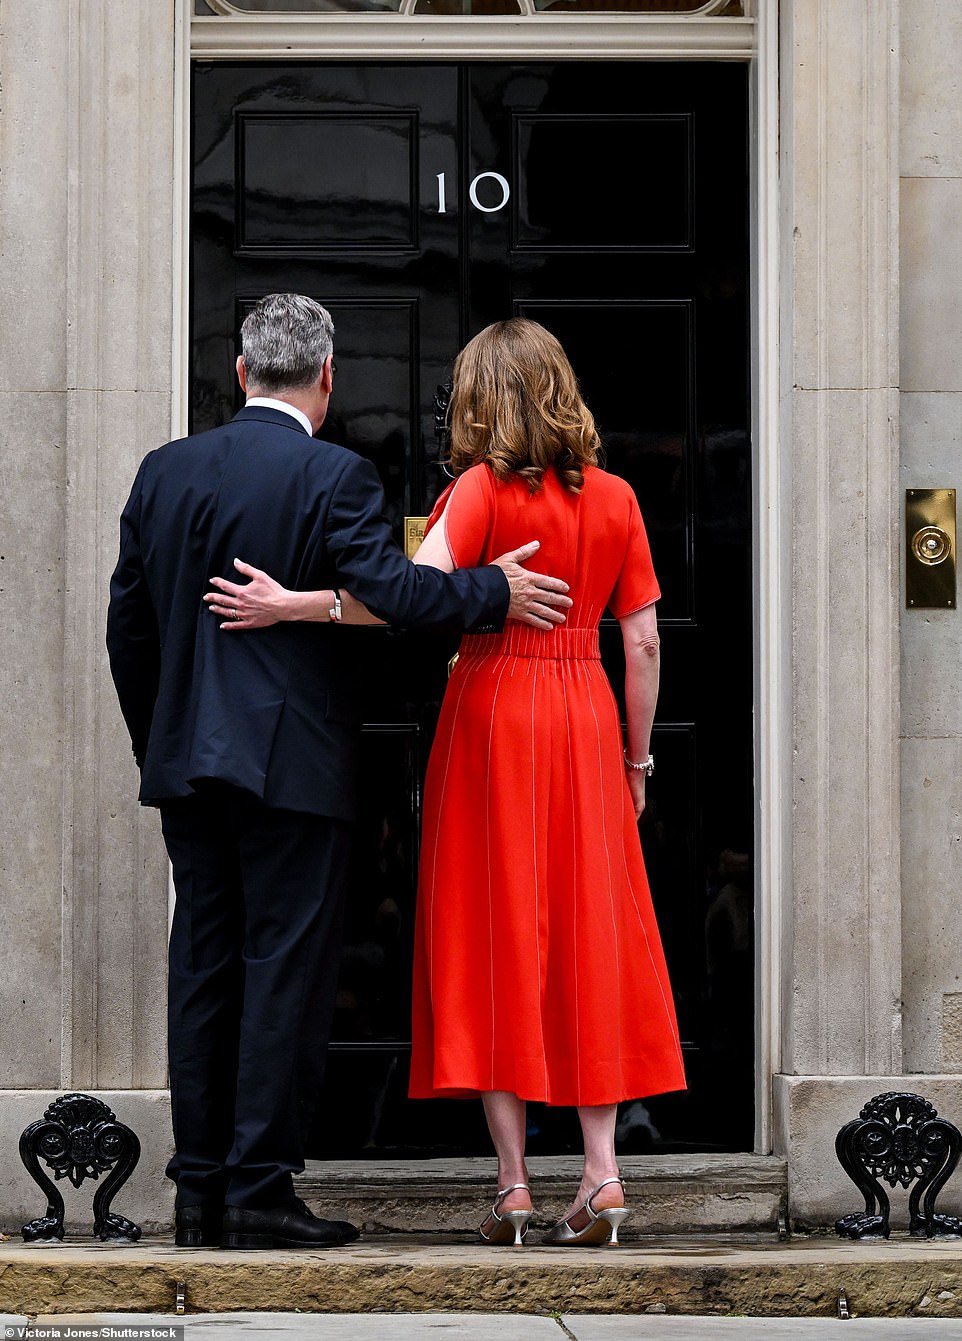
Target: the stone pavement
(498, 1327)
(404, 1275)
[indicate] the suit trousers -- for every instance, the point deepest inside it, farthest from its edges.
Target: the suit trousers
(253, 963)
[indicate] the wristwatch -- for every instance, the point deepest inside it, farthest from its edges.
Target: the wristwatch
(646, 766)
(334, 614)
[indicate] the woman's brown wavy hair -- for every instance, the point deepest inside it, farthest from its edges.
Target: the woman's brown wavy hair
(517, 406)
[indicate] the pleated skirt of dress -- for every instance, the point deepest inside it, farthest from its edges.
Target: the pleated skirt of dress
(538, 963)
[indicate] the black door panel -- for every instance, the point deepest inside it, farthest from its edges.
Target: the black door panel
(608, 201)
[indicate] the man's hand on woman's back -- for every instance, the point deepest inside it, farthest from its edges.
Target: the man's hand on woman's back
(535, 599)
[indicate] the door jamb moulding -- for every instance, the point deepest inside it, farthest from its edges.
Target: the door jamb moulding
(580, 37)
(485, 37)
(772, 591)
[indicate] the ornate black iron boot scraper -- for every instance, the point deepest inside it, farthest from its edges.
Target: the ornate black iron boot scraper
(79, 1137)
(899, 1138)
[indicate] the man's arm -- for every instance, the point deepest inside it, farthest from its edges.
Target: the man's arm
(133, 639)
(375, 571)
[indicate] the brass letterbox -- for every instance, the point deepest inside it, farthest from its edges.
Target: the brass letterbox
(930, 548)
(413, 534)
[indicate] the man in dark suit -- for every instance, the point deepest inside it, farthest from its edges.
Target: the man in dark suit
(248, 746)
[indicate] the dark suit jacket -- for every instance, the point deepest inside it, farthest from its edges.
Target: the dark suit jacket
(270, 710)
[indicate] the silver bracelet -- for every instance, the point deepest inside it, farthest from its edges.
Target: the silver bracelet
(648, 766)
(334, 614)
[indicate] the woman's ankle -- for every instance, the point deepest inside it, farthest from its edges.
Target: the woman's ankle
(519, 1198)
(608, 1182)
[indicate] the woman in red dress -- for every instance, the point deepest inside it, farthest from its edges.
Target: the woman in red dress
(538, 972)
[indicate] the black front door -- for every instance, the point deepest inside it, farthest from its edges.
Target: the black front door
(609, 202)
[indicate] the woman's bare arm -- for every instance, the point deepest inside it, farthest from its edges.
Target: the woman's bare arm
(261, 602)
(642, 668)
(433, 549)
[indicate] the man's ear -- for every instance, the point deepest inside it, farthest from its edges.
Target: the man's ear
(327, 375)
(242, 373)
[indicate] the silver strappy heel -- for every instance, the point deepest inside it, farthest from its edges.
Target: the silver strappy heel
(510, 1223)
(602, 1226)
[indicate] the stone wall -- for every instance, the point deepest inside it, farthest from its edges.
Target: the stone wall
(877, 106)
(839, 119)
(86, 238)
(931, 417)
(33, 459)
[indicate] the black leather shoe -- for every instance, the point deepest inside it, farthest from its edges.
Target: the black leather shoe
(198, 1226)
(289, 1225)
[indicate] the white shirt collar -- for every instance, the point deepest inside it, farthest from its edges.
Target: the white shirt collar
(269, 403)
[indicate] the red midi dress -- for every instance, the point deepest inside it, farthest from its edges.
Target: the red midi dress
(538, 966)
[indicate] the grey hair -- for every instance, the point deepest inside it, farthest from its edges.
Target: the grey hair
(285, 339)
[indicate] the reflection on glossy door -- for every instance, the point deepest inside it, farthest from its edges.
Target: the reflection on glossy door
(609, 202)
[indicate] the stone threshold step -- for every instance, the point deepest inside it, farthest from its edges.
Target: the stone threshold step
(670, 1194)
(801, 1278)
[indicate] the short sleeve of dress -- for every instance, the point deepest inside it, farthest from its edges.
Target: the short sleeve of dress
(437, 512)
(468, 511)
(637, 585)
